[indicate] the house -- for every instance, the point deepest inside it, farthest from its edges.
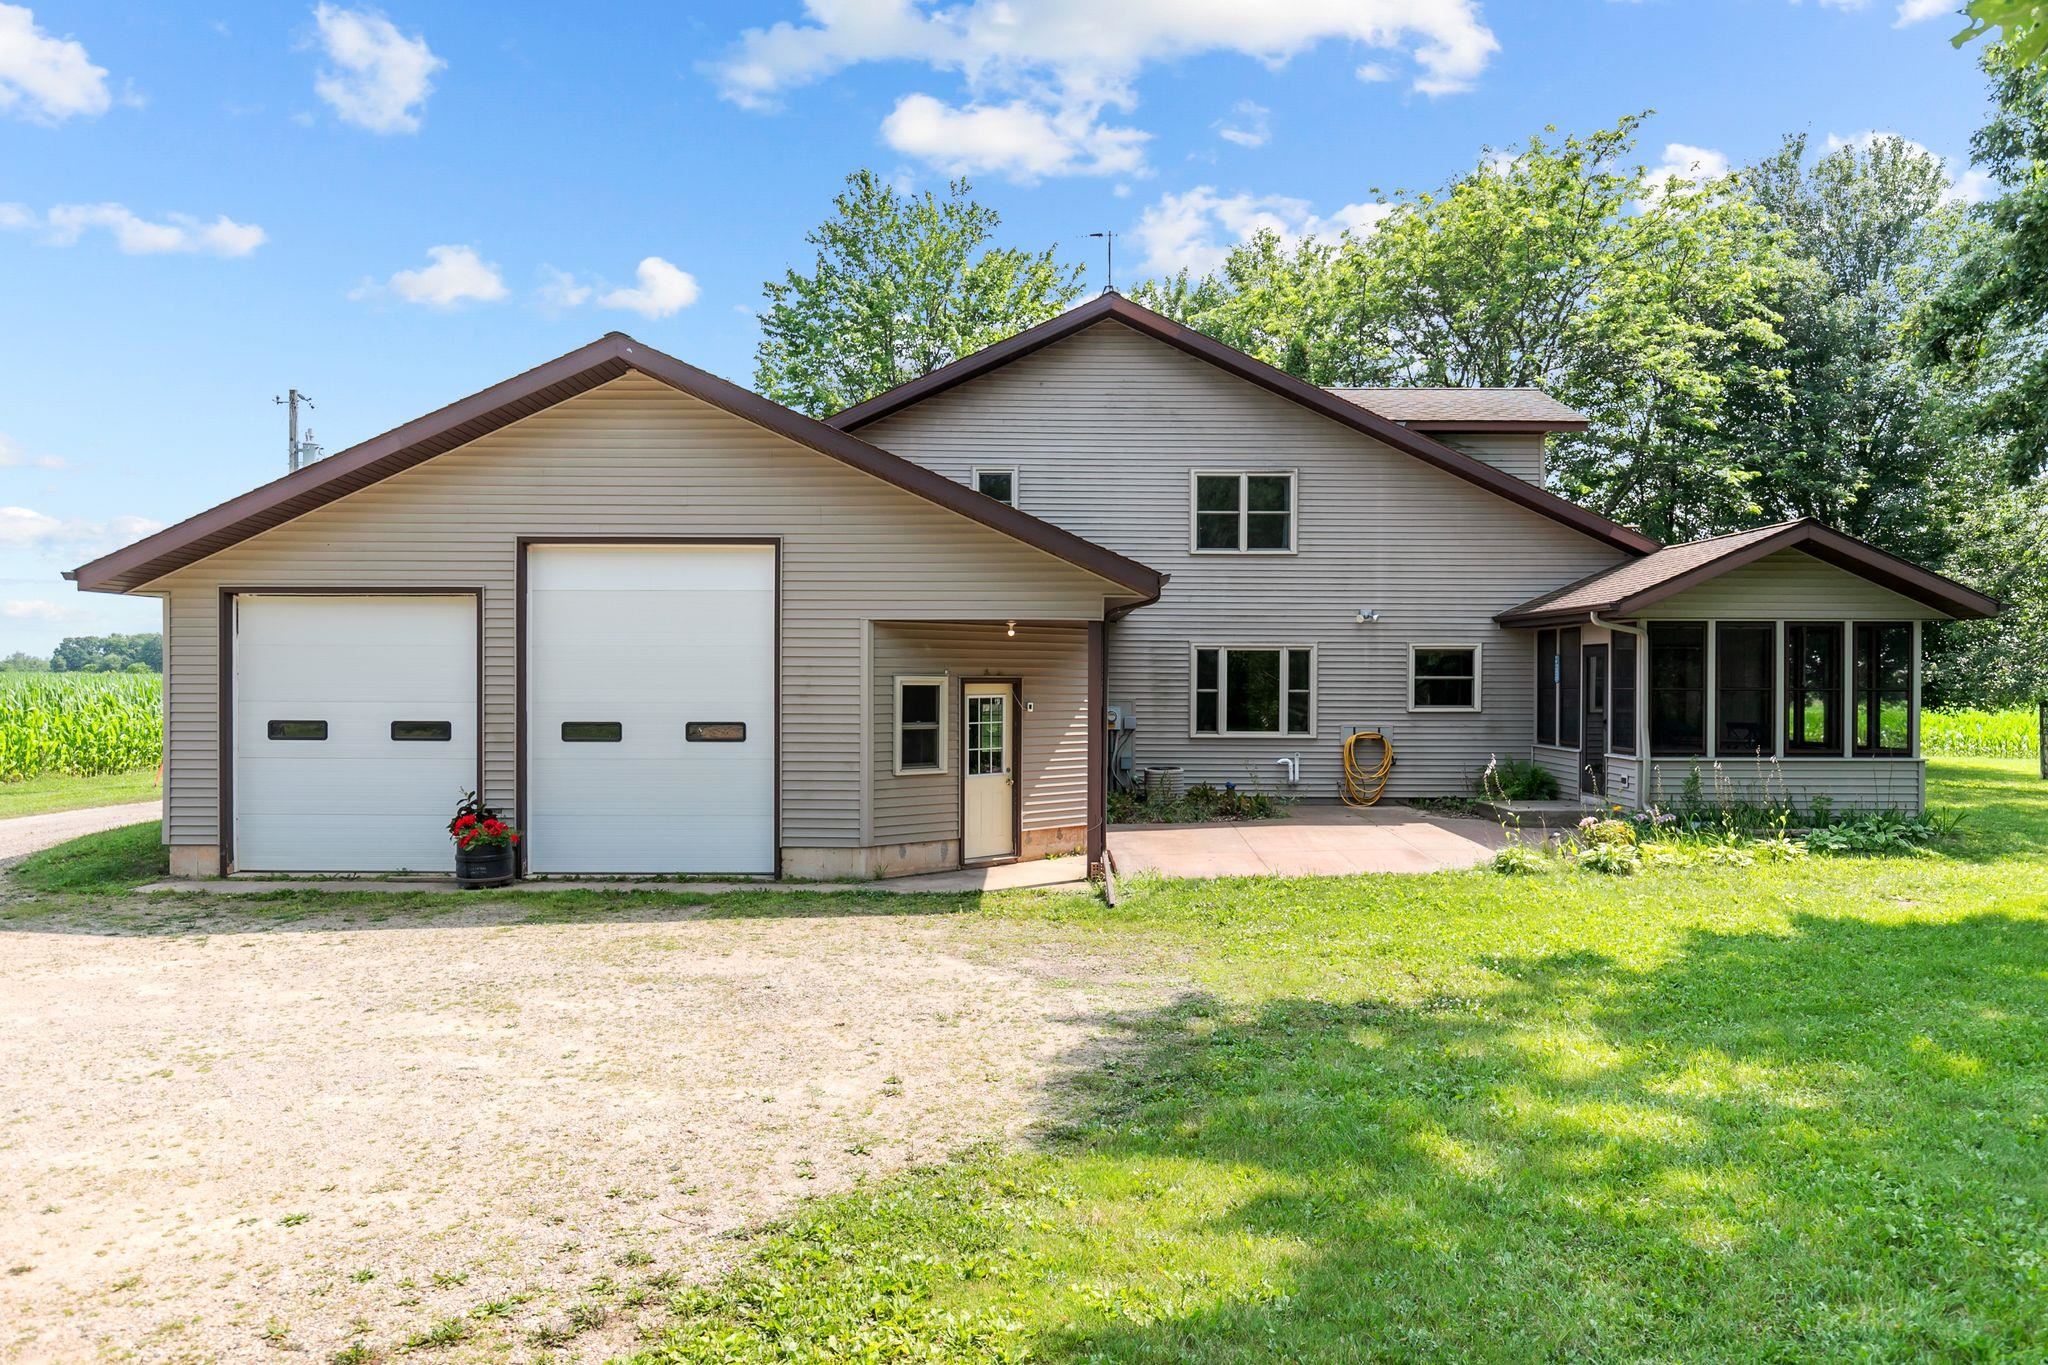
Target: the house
(673, 627)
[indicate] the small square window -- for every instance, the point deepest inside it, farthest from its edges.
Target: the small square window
(920, 725)
(1000, 484)
(1443, 678)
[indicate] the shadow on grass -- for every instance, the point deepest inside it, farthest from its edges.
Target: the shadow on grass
(1826, 1144)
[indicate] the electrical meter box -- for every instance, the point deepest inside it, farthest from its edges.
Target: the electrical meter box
(1120, 715)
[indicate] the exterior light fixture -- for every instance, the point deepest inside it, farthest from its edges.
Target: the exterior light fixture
(1012, 632)
(1366, 616)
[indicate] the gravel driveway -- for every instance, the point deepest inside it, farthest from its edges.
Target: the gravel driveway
(266, 1132)
(24, 834)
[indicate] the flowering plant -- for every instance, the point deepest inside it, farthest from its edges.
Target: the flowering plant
(477, 826)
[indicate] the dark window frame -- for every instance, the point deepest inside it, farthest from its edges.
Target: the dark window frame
(1546, 686)
(1868, 694)
(1571, 679)
(1726, 745)
(280, 730)
(1656, 691)
(594, 732)
(442, 731)
(1800, 690)
(1622, 692)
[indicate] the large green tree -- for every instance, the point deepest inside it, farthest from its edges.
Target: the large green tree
(109, 654)
(902, 285)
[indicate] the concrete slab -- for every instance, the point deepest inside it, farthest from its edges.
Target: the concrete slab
(1309, 841)
(1068, 872)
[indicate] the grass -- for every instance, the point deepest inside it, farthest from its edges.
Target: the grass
(59, 791)
(1787, 1111)
(111, 861)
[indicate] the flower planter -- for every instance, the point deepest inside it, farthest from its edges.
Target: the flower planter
(483, 867)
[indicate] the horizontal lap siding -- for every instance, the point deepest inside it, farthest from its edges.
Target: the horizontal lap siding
(1848, 783)
(1052, 767)
(632, 457)
(1519, 453)
(1791, 585)
(1104, 428)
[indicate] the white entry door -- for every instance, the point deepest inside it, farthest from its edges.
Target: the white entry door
(988, 790)
(355, 731)
(650, 708)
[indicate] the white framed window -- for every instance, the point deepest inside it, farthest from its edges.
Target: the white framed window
(1252, 690)
(920, 740)
(997, 483)
(1443, 677)
(1241, 511)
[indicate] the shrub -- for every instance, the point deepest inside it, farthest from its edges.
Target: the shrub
(1518, 779)
(1615, 860)
(1880, 832)
(1201, 802)
(1617, 832)
(1520, 860)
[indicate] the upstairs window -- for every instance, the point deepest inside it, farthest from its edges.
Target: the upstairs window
(1000, 484)
(1678, 688)
(1241, 512)
(1884, 688)
(1813, 687)
(920, 725)
(1242, 690)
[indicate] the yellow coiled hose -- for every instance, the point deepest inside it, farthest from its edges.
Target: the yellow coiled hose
(1362, 788)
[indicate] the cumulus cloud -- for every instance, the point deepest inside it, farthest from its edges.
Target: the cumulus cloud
(1683, 161)
(45, 79)
(26, 528)
(1919, 11)
(32, 609)
(1250, 124)
(1965, 185)
(560, 290)
(454, 275)
(13, 456)
(378, 78)
(1018, 139)
(662, 291)
(174, 233)
(1196, 230)
(1040, 78)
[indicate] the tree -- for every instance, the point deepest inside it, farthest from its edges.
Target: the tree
(1848, 427)
(109, 654)
(902, 285)
(2001, 547)
(1988, 329)
(2022, 25)
(19, 662)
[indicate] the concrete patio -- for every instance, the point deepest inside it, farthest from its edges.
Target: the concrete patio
(1309, 841)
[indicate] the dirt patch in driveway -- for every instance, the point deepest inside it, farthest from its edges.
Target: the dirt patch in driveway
(249, 1132)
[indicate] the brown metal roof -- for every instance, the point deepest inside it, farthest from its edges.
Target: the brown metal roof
(1628, 588)
(1467, 409)
(544, 386)
(1116, 308)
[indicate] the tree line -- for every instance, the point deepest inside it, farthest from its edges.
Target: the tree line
(94, 654)
(1829, 332)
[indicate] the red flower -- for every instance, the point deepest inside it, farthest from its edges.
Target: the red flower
(494, 827)
(465, 821)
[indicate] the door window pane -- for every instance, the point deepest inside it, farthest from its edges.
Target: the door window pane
(986, 742)
(1743, 688)
(1678, 691)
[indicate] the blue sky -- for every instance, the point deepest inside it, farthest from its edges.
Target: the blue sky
(201, 206)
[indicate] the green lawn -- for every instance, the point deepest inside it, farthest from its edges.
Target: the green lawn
(1782, 1112)
(53, 792)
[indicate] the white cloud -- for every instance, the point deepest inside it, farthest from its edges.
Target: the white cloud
(1965, 185)
(561, 290)
(1971, 187)
(1250, 124)
(135, 235)
(380, 79)
(1039, 77)
(1196, 230)
(1919, 11)
(12, 456)
(1683, 161)
(663, 290)
(1018, 139)
(457, 275)
(24, 528)
(1374, 72)
(46, 79)
(30, 609)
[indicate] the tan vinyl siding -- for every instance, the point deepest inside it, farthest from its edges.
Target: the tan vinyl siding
(1562, 764)
(1519, 453)
(633, 457)
(1052, 765)
(1104, 428)
(1790, 585)
(1847, 783)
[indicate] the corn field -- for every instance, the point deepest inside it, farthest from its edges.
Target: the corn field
(81, 724)
(1981, 734)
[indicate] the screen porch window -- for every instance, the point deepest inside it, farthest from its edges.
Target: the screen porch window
(1243, 512)
(1678, 688)
(1813, 687)
(1443, 677)
(920, 725)
(1884, 688)
(1621, 728)
(1000, 484)
(1743, 724)
(1570, 672)
(1546, 687)
(1243, 690)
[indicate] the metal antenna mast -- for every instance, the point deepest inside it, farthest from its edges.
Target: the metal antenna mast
(293, 450)
(1109, 242)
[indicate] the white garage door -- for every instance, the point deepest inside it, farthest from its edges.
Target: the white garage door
(651, 708)
(355, 731)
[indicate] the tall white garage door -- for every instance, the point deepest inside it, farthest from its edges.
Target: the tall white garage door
(355, 731)
(650, 677)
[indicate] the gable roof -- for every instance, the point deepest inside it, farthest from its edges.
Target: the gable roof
(1630, 587)
(609, 357)
(1465, 409)
(1109, 307)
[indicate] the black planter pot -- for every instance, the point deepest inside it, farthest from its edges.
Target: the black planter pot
(483, 867)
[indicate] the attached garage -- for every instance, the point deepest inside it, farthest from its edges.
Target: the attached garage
(650, 739)
(354, 729)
